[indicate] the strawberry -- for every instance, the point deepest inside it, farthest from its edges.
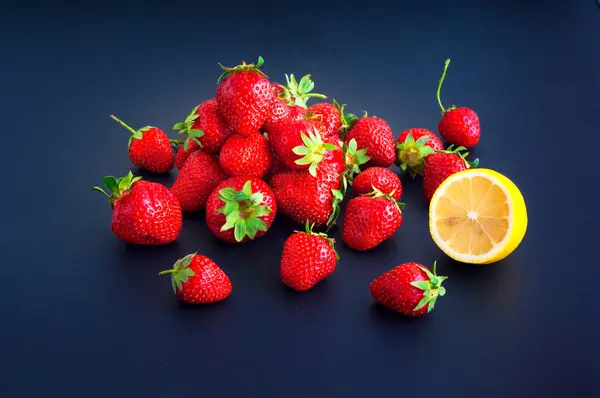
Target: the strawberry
(307, 259)
(413, 147)
(205, 128)
(244, 97)
(299, 145)
(149, 148)
(409, 288)
(441, 165)
(249, 156)
(376, 136)
(370, 220)
(378, 177)
(333, 116)
(144, 213)
(197, 178)
(240, 209)
(197, 279)
(458, 126)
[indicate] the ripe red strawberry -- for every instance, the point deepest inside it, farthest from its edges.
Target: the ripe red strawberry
(149, 148)
(413, 147)
(299, 145)
(197, 279)
(458, 126)
(205, 128)
(240, 209)
(197, 178)
(376, 136)
(307, 259)
(378, 177)
(144, 213)
(332, 115)
(244, 97)
(370, 220)
(441, 165)
(409, 288)
(282, 112)
(249, 156)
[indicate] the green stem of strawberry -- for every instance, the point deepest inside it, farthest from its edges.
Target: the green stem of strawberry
(167, 271)
(176, 142)
(440, 85)
(122, 123)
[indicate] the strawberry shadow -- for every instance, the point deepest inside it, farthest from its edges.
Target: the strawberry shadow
(386, 317)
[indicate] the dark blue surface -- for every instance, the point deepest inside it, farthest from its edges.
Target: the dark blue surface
(82, 314)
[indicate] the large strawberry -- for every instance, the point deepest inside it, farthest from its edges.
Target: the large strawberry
(458, 126)
(240, 209)
(308, 258)
(249, 156)
(299, 145)
(370, 220)
(441, 165)
(414, 145)
(197, 279)
(409, 288)
(381, 178)
(204, 128)
(332, 115)
(149, 148)
(376, 136)
(244, 97)
(197, 178)
(144, 213)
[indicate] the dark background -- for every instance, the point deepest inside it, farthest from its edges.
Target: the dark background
(83, 314)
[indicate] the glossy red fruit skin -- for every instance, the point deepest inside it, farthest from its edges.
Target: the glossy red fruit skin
(209, 284)
(197, 178)
(244, 100)
(434, 142)
(335, 157)
(285, 137)
(249, 156)
(330, 116)
(182, 154)
(279, 112)
(376, 135)
(394, 291)
(297, 112)
(153, 152)
(438, 167)
(369, 221)
(460, 126)
(303, 197)
(307, 259)
(216, 220)
(379, 177)
(148, 214)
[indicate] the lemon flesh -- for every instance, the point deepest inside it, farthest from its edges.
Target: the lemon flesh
(477, 216)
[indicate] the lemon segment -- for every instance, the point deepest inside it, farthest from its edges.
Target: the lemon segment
(477, 216)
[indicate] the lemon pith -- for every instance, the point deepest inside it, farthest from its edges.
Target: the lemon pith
(477, 216)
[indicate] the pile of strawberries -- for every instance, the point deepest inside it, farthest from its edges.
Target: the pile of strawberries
(257, 149)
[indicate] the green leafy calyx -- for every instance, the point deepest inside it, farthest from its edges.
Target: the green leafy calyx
(410, 154)
(376, 193)
(244, 67)
(312, 151)
(186, 128)
(135, 134)
(116, 187)
(347, 119)
(463, 155)
(432, 288)
(354, 157)
(181, 272)
(298, 93)
(242, 211)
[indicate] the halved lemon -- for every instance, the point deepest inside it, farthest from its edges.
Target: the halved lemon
(477, 216)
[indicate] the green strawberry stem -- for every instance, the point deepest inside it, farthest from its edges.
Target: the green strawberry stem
(347, 119)
(137, 134)
(122, 123)
(180, 272)
(432, 288)
(444, 110)
(243, 67)
(298, 93)
(116, 187)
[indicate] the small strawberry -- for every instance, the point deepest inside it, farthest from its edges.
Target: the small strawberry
(332, 115)
(441, 165)
(413, 147)
(197, 279)
(144, 213)
(376, 136)
(149, 148)
(249, 156)
(409, 288)
(240, 209)
(308, 258)
(370, 220)
(197, 178)
(244, 97)
(205, 128)
(458, 126)
(378, 177)
(299, 145)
